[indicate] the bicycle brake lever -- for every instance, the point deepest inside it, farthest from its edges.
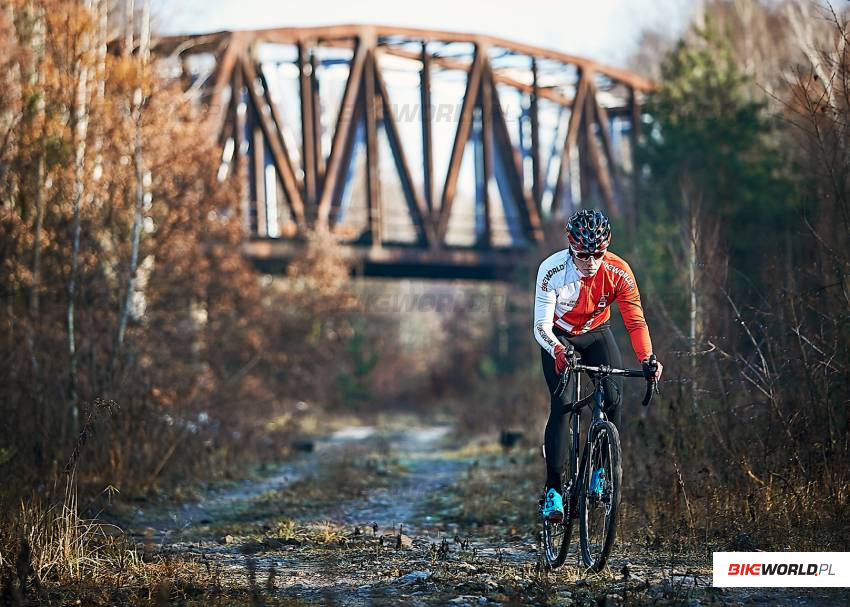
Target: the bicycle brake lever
(651, 386)
(572, 359)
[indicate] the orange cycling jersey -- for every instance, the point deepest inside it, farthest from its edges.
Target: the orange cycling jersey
(578, 304)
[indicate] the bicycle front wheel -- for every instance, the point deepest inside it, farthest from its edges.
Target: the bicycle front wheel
(599, 497)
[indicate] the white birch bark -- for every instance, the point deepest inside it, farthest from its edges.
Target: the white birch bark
(79, 133)
(138, 103)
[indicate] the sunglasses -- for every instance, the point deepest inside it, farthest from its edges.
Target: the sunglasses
(584, 255)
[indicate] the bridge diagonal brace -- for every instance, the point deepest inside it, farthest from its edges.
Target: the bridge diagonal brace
(345, 127)
(608, 147)
(464, 127)
(569, 141)
(357, 116)
(418, 208)
(276, 144)
(279, 123)
(594, 155)
(528, 210)
(217, 113)
(601, 115)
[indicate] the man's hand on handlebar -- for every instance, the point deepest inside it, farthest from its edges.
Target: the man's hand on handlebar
(652, 372)
(560, 359)
(564, 358)
(652, 368)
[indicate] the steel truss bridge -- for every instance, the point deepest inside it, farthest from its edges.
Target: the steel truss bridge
(426, 153)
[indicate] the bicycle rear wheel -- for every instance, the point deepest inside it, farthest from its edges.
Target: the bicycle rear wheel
(599, 497)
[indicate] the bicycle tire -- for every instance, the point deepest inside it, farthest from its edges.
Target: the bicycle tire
(605, 453)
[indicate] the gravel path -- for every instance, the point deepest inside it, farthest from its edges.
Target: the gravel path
(375, 517)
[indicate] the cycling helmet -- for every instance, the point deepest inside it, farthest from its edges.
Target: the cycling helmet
(588, 230)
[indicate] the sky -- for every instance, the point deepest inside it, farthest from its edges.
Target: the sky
(604, 30)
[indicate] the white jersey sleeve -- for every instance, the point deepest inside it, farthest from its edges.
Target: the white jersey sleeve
(545, 299)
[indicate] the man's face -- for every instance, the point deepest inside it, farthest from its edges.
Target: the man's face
(587, 267)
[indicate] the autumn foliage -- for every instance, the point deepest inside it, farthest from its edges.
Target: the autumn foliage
(171, 326)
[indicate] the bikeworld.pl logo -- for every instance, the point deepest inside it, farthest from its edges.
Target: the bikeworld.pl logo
(781, 569)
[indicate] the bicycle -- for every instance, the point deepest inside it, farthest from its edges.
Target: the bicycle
(592, 483)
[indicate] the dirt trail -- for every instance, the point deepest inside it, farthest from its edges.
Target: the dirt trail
(223, 502)
(377, 516)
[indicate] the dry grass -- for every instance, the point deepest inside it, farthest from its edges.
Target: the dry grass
(43, 548)
(52, 553)
(775, 515)
(698, 515)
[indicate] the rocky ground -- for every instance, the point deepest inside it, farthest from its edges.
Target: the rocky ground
(405, 515)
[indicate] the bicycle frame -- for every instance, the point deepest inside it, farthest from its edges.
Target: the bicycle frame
(576, 479)
(596, 374)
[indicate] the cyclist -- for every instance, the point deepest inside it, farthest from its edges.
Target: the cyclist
(575, 289)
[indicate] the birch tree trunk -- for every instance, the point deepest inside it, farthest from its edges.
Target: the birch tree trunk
(102, 15)
(129, 9)
(691, 236)
(38, 41)
(692, 285)
(34, 80)
(138, 104)
(79, 132)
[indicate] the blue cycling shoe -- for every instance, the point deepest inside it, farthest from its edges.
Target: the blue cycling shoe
(597, 482)
(553, 507)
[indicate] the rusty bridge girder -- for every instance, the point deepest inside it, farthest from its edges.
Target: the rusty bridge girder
(426, 153)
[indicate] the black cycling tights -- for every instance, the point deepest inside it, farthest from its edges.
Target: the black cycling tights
(595, 348)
